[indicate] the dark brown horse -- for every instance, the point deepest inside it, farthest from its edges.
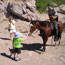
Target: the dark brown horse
(45, 30)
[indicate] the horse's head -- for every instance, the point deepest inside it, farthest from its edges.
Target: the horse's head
(33, 26)
(37, 25)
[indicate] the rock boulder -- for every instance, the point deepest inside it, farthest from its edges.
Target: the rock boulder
(25, 10)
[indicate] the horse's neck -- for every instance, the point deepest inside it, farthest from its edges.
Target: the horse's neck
(43, 23)
(42, 28)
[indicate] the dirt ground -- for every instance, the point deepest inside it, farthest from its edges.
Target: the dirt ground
(54, 55)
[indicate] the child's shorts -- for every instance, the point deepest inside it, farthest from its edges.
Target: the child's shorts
(12, 30)
(17, 50)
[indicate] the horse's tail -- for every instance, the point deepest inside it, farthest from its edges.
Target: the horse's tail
(60, 30)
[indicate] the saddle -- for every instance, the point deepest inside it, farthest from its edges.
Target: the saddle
(51, 24)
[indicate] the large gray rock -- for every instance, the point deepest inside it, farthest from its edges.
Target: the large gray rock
(2, 7)
(62, 9)
(25, 10)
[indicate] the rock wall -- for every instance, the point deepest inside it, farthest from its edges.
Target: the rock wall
(24, 9)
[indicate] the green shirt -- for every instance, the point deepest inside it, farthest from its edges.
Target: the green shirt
(17, 42)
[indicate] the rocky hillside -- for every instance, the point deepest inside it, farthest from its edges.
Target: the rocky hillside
(23, 9)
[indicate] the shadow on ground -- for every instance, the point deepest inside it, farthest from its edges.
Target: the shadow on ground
(36, 47)
(5, 55)
(5, 38)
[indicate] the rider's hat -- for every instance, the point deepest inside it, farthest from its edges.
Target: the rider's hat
(48, 5)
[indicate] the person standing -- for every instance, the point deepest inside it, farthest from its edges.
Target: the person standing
(12, 29)
(17, 40)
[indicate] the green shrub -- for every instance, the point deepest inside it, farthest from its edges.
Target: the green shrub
(41, 5)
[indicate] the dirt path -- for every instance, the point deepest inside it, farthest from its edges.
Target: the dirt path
(54, 55)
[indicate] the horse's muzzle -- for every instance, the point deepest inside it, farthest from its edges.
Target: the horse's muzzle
(29, 34)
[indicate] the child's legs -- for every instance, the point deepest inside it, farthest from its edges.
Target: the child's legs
(15, 55)
(17, 52)
(11, 37)
(12, 33)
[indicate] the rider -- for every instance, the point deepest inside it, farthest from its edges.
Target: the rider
(53, 16)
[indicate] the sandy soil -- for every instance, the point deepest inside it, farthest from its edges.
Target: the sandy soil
(54, 55)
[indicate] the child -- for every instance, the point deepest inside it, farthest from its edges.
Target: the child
(12, 29)
(17, 45)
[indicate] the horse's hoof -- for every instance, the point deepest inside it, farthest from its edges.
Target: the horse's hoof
(43, 50)
(39, 52)
(58, 44)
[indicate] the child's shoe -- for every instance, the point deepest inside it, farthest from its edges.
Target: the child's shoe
(17, 59)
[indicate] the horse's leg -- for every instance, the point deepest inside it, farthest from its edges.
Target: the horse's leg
(59, 42)
(59, 37)
(44, 44)
(52, 40)
(55, 43)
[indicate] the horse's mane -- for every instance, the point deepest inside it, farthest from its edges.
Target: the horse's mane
(42, 23)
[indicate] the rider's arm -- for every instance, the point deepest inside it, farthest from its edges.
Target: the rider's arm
(55, 14)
